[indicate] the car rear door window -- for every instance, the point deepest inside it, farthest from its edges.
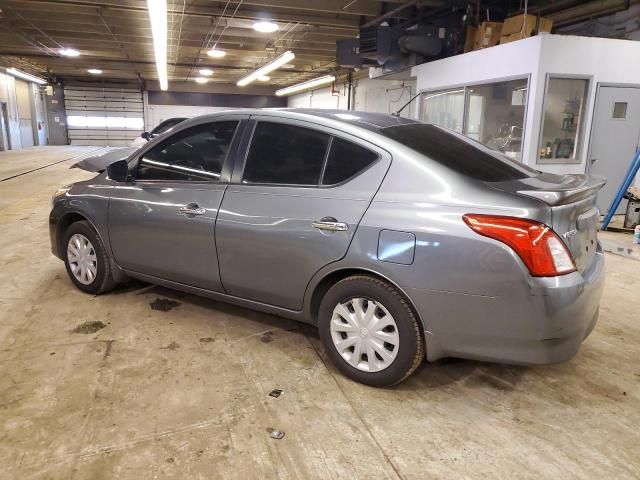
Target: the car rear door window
(346, 159)
(285, 154)
(195, 154)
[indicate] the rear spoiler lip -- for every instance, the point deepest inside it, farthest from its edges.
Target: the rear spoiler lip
(565, 195)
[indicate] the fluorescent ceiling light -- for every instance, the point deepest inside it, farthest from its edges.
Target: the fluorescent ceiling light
(265, 27)
(267, 68)
(215, 53)
(69, 52)
(158, 17)
(206, 72)
(264, 78)
(308, 85)
(26, 76)
(95, 71)
(201, 80)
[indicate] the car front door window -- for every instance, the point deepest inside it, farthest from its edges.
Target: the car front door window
(194, 154)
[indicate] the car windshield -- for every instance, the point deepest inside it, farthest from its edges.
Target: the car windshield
(166, 125)
(459, 153)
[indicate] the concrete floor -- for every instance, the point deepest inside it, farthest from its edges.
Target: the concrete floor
(184, 393)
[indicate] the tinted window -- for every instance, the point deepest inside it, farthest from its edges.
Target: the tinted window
(285, 154)
(346, 160)
(166, 125)
(196, 153)
(459, 153)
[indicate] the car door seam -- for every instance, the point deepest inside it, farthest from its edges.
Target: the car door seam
(305, 296)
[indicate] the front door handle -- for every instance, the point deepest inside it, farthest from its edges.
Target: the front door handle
(330, 224)
(192, 209)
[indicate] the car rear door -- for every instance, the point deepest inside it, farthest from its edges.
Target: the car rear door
(161, 223)
(293, 207)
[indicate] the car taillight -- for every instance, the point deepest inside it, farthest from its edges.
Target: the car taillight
(541, 250)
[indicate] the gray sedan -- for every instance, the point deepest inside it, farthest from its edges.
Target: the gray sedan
(399, 240)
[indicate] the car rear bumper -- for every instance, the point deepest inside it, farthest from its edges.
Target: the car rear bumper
(540, 321)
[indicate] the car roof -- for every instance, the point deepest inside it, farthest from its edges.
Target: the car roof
(366, 120)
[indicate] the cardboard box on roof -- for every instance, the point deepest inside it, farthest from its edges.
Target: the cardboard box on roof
(525, 26)
(470, 39)
(488, 35)
(510, 38)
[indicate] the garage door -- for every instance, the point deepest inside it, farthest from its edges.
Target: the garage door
(103, 115)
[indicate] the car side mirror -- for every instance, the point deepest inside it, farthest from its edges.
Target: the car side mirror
(146, 135)
(118, 171)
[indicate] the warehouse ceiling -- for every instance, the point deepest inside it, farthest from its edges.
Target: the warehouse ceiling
(115, 36)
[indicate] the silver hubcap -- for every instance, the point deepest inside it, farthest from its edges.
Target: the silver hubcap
(365, 334)
(82, 259)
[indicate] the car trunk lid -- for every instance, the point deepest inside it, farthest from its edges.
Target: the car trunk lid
(572, 203)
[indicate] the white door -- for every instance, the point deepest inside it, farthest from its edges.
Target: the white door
(24, 113)
(614, 139)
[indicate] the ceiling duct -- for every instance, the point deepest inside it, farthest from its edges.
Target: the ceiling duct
(394, 47)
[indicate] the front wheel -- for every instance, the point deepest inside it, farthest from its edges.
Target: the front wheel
(370, 332)
(86, 259)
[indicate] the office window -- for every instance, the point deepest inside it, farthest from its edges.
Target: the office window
(444, 108)
(562, 120)
(620, 110)
(495, 115)
(195, 154)
(491, 113)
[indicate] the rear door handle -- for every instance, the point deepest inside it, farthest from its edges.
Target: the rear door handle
(330, 224)
(192, 209)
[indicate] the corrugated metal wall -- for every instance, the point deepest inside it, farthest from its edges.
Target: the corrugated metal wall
(100, 115)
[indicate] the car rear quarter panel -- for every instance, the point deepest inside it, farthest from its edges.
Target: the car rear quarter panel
(454, 270)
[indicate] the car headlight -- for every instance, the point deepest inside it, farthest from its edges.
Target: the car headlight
(60, 192)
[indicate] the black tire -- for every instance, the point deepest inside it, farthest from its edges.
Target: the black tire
(103, 281)
(411, 347)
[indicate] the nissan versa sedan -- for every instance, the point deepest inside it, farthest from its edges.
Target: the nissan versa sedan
(398, 239)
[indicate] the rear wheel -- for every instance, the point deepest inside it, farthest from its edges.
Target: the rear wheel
(86, 259)
(370, 332)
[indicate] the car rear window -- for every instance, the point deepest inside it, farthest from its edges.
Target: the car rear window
(459, 153)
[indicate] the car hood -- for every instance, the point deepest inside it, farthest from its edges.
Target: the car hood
(100, 162)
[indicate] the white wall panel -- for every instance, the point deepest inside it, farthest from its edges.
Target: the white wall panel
(370, 95)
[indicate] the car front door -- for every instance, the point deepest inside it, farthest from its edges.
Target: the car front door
(161, 223)
(293, 208)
